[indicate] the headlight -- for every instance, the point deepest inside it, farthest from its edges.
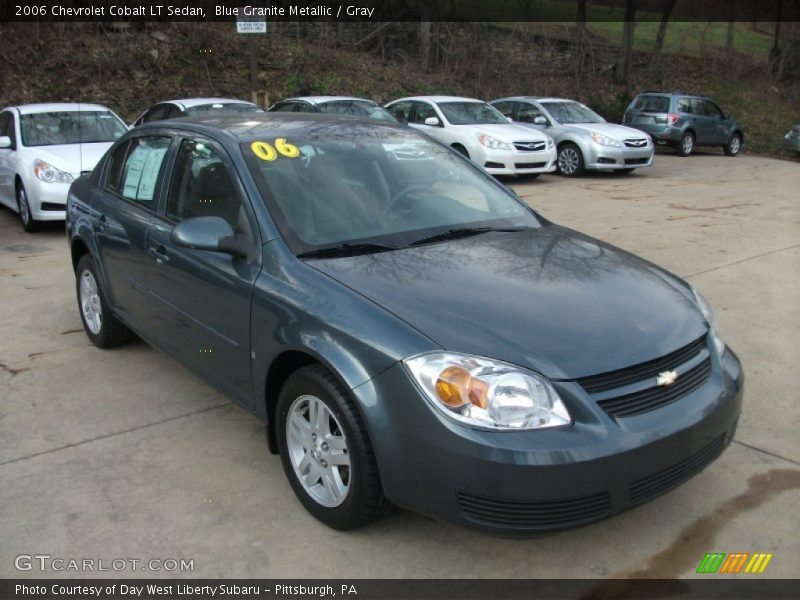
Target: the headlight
(48, 173)
(486, 393)
(603, 140)
(490, 142)
(708, 315)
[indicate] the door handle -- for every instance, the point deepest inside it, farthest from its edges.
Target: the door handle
(103, 222)
(159, 254)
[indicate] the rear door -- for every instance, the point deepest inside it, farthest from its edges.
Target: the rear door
(123, 209)
(200, 300)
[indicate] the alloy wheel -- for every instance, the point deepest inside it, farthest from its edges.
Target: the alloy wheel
(318, 451)
(568, 160)
(687, 145)
(735, 144)
(24, 209)
(91, 306)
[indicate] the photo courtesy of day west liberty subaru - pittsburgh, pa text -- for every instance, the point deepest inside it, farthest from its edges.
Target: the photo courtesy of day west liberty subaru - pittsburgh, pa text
(169, 10)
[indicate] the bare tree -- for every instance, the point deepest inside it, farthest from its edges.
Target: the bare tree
(622, 73)
(583, 35)
(656, 65)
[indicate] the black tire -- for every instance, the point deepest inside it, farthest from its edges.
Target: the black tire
(624, 171)
(460, 149)
(112, 332)
(570, 160)
(686, 145)
(29, 224)
(364, 502)
(734, 145)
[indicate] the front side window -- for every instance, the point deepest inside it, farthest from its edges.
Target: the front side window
(423, 111)
(471, 113)
(506, 107)
(401, 111)
(572, 112)
(202, 186)
(7, 126)
(135, 169)
(711, 109)
(70, 127)
(356, 108)
(378, 186)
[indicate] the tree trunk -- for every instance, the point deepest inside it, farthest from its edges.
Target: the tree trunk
(623, 70)
(775, 51)
(731, 25)
(662, 28)
(580, 47)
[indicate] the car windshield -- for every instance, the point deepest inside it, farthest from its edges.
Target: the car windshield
(223, 108)
(70, 127)
(357, 108)
(375, 186)
(572, 112)
(471, 113)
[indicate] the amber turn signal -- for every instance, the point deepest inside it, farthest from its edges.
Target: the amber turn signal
(456, 387)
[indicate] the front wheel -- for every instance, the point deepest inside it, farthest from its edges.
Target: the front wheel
(29, 224)
(102, 327)
(326, 452)
(570, 161)
(734, 145)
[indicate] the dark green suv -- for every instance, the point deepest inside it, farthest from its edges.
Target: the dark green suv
(684, 121)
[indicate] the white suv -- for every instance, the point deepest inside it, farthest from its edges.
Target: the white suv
(480, 132)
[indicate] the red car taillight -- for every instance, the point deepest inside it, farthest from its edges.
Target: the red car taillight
(672, 118)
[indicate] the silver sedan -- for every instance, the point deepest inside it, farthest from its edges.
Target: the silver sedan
(585, 141)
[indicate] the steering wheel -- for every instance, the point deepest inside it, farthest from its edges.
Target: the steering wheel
(406, 191)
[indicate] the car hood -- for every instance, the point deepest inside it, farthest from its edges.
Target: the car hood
(72, 158)
(549, 299)
(612, 130)
(508, 133)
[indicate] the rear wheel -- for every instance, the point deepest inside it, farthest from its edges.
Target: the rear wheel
(29, 224)
(734, 145)
(686, 145)
(102, 327)
(570, 160)
(326, 452)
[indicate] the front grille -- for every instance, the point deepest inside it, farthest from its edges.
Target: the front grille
(654, 485)
(537, 165)
(530, 146)
(636, 143)
(539, 515)
(652, 398)
(645, 370)
(636, 161)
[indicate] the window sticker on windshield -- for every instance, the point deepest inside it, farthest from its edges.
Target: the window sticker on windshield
(265, 150)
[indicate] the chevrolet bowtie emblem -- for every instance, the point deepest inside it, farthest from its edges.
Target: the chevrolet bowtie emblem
(667, 378)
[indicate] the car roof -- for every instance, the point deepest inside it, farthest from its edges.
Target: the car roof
(190, 102)
(324, 99)
(657, 93)
(438, 99)
(27, 109)
(537, 99)
(250, 126)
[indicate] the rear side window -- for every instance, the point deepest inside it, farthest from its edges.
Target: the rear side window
(7, 126)
(506, 107)
(684, 105)
(528, 112)
(401, 111)
(652, 104)
(136, 176)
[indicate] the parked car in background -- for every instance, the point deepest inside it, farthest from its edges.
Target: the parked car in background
(188, 107)
(334, 105)
(791, 141)
(479, 132)
(684, 121)
(410, 330)
(44, 148)
(584, 140)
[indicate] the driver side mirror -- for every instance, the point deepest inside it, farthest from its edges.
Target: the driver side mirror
(432, 121)
(540, 120)
(208, 233)
(5, 141)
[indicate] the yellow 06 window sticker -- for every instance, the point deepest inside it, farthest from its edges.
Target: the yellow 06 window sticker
(265, 150)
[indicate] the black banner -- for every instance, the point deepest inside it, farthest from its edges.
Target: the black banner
(744, 588)
(392, 10)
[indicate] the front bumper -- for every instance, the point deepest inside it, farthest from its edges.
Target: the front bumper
(523, 483)
(514, 162)
(47, 200)
(612, 157)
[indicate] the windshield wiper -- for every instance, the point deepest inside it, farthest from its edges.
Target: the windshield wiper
(461, 232)
(346, 249)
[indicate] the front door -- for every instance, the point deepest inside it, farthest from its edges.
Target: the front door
(123, 208)
(201, 299)
(8, 160)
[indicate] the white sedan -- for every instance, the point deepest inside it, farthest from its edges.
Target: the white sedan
(44, 148)
(480, 132)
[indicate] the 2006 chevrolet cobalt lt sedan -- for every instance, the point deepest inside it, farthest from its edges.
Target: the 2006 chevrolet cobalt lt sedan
(410, 331)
